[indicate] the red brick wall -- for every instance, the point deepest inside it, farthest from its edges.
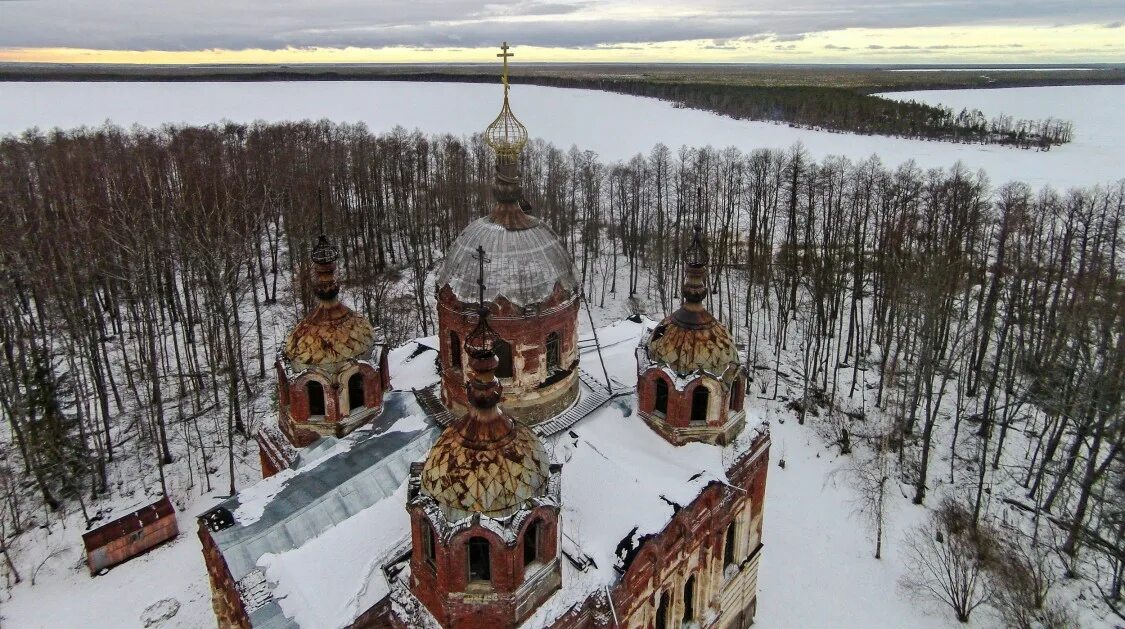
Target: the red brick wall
(526, 332)
(225, 601)
(444, 587)
(697, 530)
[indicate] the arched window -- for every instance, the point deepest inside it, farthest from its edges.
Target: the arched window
(736, 395)
(504, 356)
(429, 543)
(728, 546)
(554, 352)
(454, 350)
(479, 560)
(700, 398)
(662, 611)
(661, 406)
(316, 397)
(689, 599)
(355, 392)
(531, 543)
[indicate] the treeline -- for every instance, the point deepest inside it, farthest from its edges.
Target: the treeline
(815, 107)
(147, 277)
(838, 109)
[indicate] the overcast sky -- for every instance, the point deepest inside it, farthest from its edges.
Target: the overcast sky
(626, 30)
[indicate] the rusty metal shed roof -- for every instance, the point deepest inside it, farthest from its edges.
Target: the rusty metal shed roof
(525, 264)
(127, 524)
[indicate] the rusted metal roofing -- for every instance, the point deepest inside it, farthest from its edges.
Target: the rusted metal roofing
(331, 333)
(493, 470)
(525, 265)
(128, 524)
(691, 340)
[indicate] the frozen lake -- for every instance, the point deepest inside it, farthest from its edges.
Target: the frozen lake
(615, 126)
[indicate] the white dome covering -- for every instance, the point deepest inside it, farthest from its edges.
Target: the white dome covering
(524, 266)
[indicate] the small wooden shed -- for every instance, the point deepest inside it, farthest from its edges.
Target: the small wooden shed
(130, 535)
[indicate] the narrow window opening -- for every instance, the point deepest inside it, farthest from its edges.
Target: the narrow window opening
(316, 397)
(479, 560)
(662, 612)
(454, 350)
(700, 398)
(504, 355)
(355, 392)
(661, 405)
(429, 543)
(728, 547)
(689, 599)
(531, 544)
(554, 352)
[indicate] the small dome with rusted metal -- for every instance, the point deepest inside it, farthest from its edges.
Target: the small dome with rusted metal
(491, 468)
(691, 340)
(486, 462)
(330, 334)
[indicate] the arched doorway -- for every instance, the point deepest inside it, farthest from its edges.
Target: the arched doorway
(454, 350)
(531, 543)
(700, 399)
(554, 352)
(480, 568)
(315, 391)
(662, 611)
(504, 355)
(355, 393)
(661, 405)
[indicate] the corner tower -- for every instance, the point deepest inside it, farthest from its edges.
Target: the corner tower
(690, 382)
(331, 371)
(532, 287)
(484, 508)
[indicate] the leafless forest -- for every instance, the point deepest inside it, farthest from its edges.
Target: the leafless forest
(984, 322)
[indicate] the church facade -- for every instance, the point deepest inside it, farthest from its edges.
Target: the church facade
(523, 491)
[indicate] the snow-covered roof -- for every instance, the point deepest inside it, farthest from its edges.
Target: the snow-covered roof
(322, 532)
(316, 509)
(524, 264)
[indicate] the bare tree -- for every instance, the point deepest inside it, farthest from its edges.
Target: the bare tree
(944, 562)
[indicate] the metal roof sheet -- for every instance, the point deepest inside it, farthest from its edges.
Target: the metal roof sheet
(328, 490)
(524, 266)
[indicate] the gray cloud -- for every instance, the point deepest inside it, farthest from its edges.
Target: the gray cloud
(272, 24)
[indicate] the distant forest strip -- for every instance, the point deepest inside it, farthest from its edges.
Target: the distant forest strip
(138, 267)
(837, 99)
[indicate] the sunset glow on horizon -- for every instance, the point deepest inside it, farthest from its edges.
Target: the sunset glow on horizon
(636, 31)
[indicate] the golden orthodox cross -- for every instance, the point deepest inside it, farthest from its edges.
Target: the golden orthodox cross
(504, 54)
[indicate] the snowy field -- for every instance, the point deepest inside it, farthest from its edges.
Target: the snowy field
(615, 126)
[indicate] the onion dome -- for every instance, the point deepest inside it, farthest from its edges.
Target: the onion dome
(486, 462)
(691, 339)
(332, 332)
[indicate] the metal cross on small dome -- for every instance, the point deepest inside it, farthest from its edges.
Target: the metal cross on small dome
(479, 342)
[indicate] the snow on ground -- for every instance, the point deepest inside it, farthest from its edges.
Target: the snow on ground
(65, 595)
(614, 126)
(818, 568)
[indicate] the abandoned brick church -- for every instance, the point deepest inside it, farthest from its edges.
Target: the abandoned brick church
(510, 486)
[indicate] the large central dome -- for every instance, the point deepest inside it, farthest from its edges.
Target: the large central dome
(525, 264)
